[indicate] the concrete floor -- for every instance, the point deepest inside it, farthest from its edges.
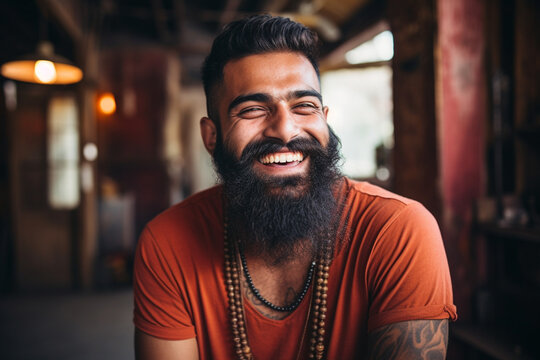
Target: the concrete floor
(65, 327)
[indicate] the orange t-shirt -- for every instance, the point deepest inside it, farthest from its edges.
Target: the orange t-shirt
(393, 269)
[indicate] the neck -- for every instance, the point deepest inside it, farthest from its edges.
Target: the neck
(300, 252)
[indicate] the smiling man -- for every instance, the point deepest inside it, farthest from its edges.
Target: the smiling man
(286, 258)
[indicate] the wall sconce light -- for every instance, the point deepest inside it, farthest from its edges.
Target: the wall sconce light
(107, 104)
(44, 67)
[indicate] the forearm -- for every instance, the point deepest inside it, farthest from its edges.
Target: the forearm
(417, 339)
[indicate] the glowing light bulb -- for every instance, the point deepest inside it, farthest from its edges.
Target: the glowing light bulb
(45, 71)
(90, 151)
(107, 104)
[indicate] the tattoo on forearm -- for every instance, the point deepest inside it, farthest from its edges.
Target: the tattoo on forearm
(418, 339)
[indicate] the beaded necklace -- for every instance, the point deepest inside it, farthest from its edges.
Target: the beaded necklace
(286, 308)
(318, 306)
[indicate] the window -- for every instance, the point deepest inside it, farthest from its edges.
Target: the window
(63, 153)
(360, 102)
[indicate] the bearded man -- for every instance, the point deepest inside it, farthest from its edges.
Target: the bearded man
(287, 258)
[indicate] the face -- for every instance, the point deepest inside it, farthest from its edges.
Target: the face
(276, 156)
(273, 96)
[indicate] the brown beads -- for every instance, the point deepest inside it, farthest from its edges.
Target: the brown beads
(319, 308)
(232, 281)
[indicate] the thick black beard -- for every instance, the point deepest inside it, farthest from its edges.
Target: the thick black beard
(281, 217)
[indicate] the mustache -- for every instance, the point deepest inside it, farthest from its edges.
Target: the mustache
(259, 148)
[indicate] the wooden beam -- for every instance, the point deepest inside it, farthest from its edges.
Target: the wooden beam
(364, 19)
(413, 25)
(274, 6)
(160, 19)
(229, 12)
(63, 11)
(179, 11)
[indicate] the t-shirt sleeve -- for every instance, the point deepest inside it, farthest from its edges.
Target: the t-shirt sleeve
(161, 309)
(407, 273)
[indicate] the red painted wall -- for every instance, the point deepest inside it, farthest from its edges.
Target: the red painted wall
(462, 110)
(461, 123)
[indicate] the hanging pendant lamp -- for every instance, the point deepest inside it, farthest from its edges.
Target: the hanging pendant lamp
(44, 67)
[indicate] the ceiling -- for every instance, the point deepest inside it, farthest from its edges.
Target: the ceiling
(187, 26)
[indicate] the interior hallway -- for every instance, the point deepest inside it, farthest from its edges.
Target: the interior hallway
(67, 326)
(455, 126)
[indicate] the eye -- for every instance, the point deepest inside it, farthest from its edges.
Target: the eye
(305, 108)
(252, 112)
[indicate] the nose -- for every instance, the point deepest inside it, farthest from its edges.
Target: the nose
(282, 125)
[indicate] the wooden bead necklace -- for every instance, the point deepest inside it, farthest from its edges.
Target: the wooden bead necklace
(318, 306)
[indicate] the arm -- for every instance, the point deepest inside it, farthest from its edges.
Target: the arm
(148, 348)
(416, 339)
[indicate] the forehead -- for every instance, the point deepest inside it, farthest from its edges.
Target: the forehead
(269, 73)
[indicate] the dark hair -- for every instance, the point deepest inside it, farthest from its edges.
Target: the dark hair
(256, 34)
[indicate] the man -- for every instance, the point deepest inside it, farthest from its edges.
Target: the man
(287, 259)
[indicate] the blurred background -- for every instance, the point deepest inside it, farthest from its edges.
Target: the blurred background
(437, 100)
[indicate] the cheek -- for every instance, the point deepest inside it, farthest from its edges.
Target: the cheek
(319, 130)
(238, 138)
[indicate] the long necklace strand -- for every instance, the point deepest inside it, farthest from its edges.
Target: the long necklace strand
(320, 306)
(236, 308)
(232, 279)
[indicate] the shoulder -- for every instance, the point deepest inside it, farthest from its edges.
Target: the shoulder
(201, 207)
(194, 222)
(183, 238)
(362, 192)
(367, 203)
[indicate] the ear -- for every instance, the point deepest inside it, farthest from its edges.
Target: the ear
(325, 112)
(209, 134)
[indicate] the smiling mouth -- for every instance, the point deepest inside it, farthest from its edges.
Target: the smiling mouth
(282, 158)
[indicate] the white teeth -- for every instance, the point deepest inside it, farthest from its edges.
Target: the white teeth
(282, 158)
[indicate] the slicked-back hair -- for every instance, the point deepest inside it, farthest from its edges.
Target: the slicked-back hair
(256, 34)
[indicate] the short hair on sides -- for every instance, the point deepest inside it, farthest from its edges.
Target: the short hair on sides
(257, 34)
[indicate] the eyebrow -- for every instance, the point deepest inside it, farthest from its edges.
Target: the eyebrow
(262, 97)
(304, 93)
(259, 97)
